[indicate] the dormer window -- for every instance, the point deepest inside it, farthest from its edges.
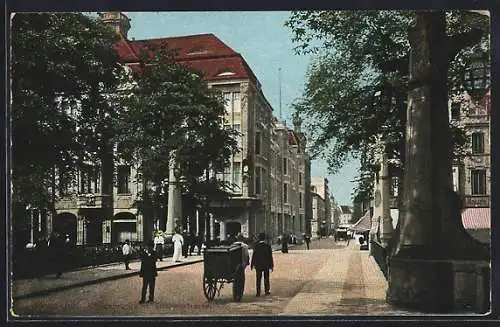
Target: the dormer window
(197, 50)
(226, 72)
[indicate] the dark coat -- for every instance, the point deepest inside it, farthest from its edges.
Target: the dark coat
(262, 257)
(148, 265)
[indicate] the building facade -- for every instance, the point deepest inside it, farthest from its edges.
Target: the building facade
(322, 211)
(271, 173)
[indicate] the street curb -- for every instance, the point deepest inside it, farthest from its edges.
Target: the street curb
(109, 278)
(96, 281)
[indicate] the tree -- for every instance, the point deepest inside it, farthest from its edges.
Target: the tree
(356, 86)
(171, 111)
(63, 73)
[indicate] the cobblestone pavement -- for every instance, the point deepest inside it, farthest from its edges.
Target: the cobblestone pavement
(329, 279)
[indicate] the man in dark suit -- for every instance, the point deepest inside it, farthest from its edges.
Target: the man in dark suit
(148, 272)
(262, 260)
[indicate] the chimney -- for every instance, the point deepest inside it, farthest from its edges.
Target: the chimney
(117, 21)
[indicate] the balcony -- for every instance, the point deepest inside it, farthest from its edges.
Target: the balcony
(94, 201)
(477, 201)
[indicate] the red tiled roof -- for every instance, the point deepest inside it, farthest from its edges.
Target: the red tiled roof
(363, 224)
(188, 47)
(203, 52)
(476, 218)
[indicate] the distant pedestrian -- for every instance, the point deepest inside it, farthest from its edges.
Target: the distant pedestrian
(307, 239)
(178, 241)
(148, 272)
(199, 242)
(127, 253)
(159, 241)
(192, 243)
(41, 256)
(284, 243)
(57, 253)
(185, 243)
(262, 261)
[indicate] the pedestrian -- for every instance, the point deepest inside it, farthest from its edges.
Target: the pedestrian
(178, 241)
(192, 242)
(245, 256)
(185, 243)
(159, 241)
(307, 239)
(41, 256)
(56, 253)
(284, 243)
(262, 261)
(199, 242)
(127, 252)
(148, 272)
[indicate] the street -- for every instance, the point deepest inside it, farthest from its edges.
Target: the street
(329, 279)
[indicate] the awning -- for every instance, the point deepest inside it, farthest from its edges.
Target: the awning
(364, 223)
(476, 218)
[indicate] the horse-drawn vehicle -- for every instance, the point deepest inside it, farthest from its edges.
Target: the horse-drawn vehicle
(223, 264)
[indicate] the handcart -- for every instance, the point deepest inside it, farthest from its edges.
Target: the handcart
(223, 264)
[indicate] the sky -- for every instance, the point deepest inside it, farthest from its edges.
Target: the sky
(266, 45)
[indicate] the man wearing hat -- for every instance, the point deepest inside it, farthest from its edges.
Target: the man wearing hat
(262, 261)
(148, 272)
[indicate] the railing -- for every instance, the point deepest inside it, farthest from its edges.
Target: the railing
(94, 201)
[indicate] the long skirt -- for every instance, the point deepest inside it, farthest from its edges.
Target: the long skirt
(177, 251)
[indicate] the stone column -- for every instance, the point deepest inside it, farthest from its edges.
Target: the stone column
(430, 236)
(197, 222)
(222, 230)
(212, 234)
(31, 213)
(386, 228)
(174, 209)
(413, 271)
(80, 221)
(139, 227)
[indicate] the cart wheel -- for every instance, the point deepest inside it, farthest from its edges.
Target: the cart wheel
(239, 285)
(209, 287)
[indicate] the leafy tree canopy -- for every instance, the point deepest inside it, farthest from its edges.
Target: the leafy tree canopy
(171, 111)
(355, 90)
(63, 70)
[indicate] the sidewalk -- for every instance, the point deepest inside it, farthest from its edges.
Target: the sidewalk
(350, 282)
(86, 276)
(40, 286)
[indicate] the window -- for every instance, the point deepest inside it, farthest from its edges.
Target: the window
(237, 177)
(236, 102)
(89, 179)
(285, 166)
(237, 128)
(123, 179)
(257, 143)
(300, 178)
(477, 143)
(478, 181)
(455, 111)
(227, 102)
(300, 200)
(394, 186)
(227, 174)
(285, 192)
(258, 180)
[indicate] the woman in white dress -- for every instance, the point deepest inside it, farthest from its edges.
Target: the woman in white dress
(178, 240)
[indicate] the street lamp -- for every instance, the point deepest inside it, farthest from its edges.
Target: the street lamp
(476, 77)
